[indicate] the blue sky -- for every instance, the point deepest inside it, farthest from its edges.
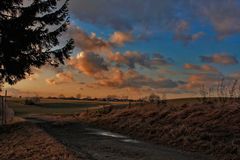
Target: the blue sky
(181, 52)
(140, 47)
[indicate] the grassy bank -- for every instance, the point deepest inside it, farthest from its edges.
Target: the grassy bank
(212, 129)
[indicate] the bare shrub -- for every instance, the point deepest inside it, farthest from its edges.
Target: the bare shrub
(203, 92)
(154, 99)
(78, 96)
(226, 92)
(232, 91)
(61, 96)
(238, 94)
(222, 92)
(164, 99)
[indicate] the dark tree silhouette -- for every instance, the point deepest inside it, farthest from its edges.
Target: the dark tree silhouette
(29, 36)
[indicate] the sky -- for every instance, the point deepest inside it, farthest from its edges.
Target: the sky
(138, 47)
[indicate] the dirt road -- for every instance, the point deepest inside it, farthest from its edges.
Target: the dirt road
(98, 144)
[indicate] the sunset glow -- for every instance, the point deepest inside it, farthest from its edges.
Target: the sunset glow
(138, 47)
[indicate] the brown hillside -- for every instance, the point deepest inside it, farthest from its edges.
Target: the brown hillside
(204, 128)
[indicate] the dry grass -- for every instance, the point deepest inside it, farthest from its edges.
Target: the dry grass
(25, 141)
(202, 128)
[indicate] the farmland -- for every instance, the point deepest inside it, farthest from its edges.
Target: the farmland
(181, 124)
(56, 106)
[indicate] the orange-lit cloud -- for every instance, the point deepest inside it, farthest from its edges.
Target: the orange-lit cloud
(35, 74)
(117, 78)
(195, 81)
(181, 33)
(220, 58)
(88, 43)
(120, 38)
(17, 92)
(92, 43)
(235, 76)
(132, 58)
(99, 54)
(60, 78)
(203, 68)
(89, 63)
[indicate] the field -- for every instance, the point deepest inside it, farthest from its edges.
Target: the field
(210, 129)
(63, 106)
(56, 106)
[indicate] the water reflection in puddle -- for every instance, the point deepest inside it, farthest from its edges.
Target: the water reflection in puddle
(110, 134)
(130, 141)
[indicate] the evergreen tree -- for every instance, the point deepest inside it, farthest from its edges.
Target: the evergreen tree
(29, 36)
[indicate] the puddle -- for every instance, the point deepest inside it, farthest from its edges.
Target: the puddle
(111, 134)
(105, 133)
(130, 141)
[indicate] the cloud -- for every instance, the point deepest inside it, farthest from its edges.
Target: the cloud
(181, 33)
(235, 75)
(132, 79)
(195, 81)
(182, 26)
(203, 68)
(108, 71)
(221, 58)
(61, 78)
(120, 38)
(224, 15)
(17, 92)
(201, 78)
(186, 38)
(32, 77)
(35, 74)
(92, 43)
(122, 15)
(88, 43)
(209, 80)
(103, 51)
(132, 58)
(89, 63)
(159, 60)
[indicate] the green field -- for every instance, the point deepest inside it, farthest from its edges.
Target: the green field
(55, 106)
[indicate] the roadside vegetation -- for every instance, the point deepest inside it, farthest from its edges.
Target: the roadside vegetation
(204, 128)
(207, 124)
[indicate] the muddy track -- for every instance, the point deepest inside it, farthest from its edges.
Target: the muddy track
(98, 144)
